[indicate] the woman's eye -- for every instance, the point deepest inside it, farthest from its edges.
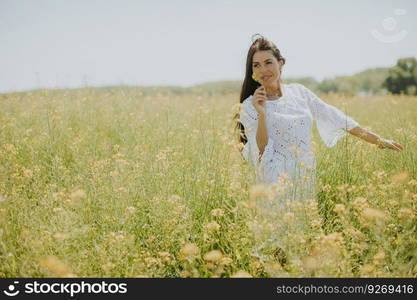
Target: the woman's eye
(268, 63)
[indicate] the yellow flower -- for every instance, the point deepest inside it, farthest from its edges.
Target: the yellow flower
(60, 236)
(108, 266)
(288, 217)
(212, 226)
(360, 203)
(368, 270)
(217, 212)
(406, 214)
(55, 266)
(311, 263)
(226, 261)
(326, 188)
(371, 214)
(27, 173)
(213, 256)
(340, 209)
(78, 195)
(258, 190)
(188, 251)
(400, 178)
(379, 257)
(130, 209)
(255, 77)
(241, 274)
(58, 210)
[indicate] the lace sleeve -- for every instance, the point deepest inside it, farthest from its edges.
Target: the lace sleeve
(332, 124)
(249, 120)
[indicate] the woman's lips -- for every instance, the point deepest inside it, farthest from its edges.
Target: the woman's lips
(266, 77)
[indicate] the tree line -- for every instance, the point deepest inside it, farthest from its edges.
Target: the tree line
(399, 79)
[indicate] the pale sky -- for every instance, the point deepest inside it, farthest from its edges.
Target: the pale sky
(58, 44)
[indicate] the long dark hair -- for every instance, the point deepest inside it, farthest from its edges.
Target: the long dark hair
(249, 85)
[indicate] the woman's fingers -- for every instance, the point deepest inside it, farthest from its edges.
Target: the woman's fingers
(261, 91)
(398, 146)
(390, 144)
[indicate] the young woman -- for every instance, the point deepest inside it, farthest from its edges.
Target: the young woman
(276, 122)
(277, 118)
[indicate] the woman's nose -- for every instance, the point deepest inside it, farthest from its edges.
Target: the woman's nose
(263, 70)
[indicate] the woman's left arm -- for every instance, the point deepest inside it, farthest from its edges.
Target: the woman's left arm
(373, 138)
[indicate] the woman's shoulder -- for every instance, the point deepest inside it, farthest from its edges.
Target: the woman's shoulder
(295, 86)
(298, 90)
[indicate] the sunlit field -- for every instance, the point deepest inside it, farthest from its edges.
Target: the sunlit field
(131, 182)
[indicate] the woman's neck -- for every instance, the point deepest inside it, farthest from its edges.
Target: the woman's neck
(274, 91)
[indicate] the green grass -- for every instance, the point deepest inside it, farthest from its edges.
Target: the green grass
(115, 182)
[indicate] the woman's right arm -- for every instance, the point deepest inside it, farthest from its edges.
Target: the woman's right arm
(373, 138)
(251, 119)
(261, 134)
(258, 102)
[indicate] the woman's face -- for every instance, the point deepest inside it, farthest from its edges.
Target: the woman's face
(266, 67)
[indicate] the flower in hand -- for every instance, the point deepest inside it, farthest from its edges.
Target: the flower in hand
(256, 78)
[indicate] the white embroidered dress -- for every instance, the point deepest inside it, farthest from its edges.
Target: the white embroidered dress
(289, 121)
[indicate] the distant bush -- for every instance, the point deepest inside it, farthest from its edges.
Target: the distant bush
(403, 77)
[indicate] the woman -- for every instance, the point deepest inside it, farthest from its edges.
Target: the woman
(276, 125)
(277, 118)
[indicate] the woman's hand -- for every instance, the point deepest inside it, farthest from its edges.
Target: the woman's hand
(389, 144)
(259, 99)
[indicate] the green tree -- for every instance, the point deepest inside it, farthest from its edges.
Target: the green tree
(402, 78)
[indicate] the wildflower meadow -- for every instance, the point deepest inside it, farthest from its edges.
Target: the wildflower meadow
(149, 182)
